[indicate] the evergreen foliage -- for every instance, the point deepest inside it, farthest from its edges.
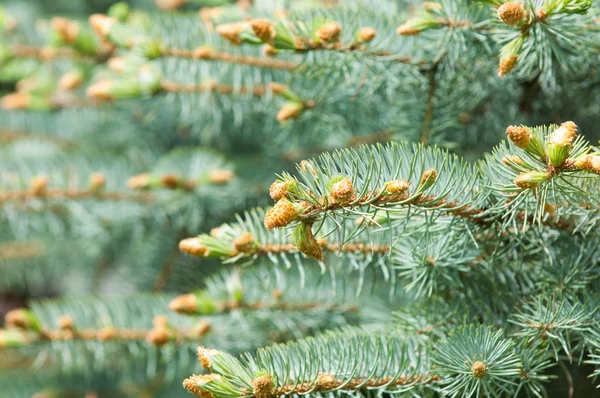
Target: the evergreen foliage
(433, 173)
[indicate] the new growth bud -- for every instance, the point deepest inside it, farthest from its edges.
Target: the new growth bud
(561, 142)
(531, 179)
(280, 215)
(428, 178)
(342, 192)
(519, 135)
(366, 35)
(263, 387)
(329, 32)
(245, 243)
(221, 176)
(263, 29)
(507, 65)
(193, 246)
(512, 12)
(479, 369)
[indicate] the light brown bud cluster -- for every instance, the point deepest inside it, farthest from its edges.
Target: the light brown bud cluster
(101, 24)
(281, 214)
(17, 319)
(519, 135)
(342, 192)
(512, 13)
(193, 246)
(38, 185)
(204, 355)
(194, 383)
(184, 304)
(279, 189)
(15, 101)
(507, 65)
(263, 387)
(589, 163)
(263, 29)
(530, 179)
(366, 34)
(220, 177)
(169, 4)
(70, 81)
(289, 110)
(565, 134)
(310, 246)
(408, 29)
(244, 243)
(66, 29)
(329, 32)
(326, 381)
(231, 31)
(397, 187)
(479, 369)
(65, 322)
(140, 181)
(97, 181)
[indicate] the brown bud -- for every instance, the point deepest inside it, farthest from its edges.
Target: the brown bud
(263, 387)
(565, 134)
(70, 80)
(366, 34)
(407, 29)
(519, 135)
(512, 12)
(280, 215)
(279, 189)
(326, 382)
(589, 163)
(38, 185)
(231, 31)
(101, 90)
(203, 53)
(278, 88)
(263, 30)
(507, 65)
(204, 355)
(310, 246)
(101, 24)
(289, 110)
(15, 101)
(479, 369)
(184, 304)
(329, 32)
(220, 177)
(202, 328)
(244, 243)
(193, 246)
(17, 319)
(342, 191)
(169, 4)
(139, 181)
(397, 186)
(170, 181)
(193, 384)
(65, 322)
(116, 64)
(530, 179)
(270, 51)
(159, 336)
(97, 181)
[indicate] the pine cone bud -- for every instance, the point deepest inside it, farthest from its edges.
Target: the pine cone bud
(366, 34)
(97, 181)
(205, 355)
(408, 29)
(15, 101)
(565, 134)
(397, 186)
(589, 163)
(159, 336)
(428, 178)
(279, 189)
(65, 322)
(263, 30)
(70, 80)
(342, 191)
(270, 51)
(530, 179)
(231, 31)
(203, 53)
(519, 135)
(289, 110)
(184, 304)
(507, 65)
(281, 214)
(101, 24)
(245, 243)
(326, 382)
(512, 13)
(193, 246)
(169, 4)
(38, 185)
(478, 369)
(170, 181)
(329, 32)
(101, 90)
(106, 334)
(140, 181)
(263, 387)
(194, 385)
(220, 177)
(202, 328)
